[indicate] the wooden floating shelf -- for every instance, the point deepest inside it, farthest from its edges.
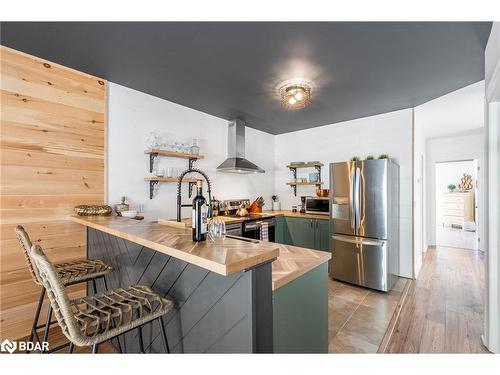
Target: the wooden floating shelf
(173, 154)
(169, 179)
(303, 183)
(305, 165)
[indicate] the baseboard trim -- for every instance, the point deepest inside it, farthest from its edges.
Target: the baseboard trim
(384, 344)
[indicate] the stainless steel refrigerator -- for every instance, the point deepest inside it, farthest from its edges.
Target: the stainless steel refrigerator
(364, 222)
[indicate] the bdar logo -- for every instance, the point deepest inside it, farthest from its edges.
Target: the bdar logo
(8, 346)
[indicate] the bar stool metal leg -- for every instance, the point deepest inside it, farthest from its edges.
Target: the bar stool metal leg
(94, 285)
(141, 342)
(95, 348)
(37, 316)
(105, 283)
(117, 337)
(47, 325)
(71, 347)
(164, 334)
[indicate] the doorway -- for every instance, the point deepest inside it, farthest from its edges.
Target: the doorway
(457, 204)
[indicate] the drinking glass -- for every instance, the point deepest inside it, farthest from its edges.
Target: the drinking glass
(169, 172)
(167, 141)
(152, 140)
(217, 229)
(159, 172)
(195, 148)
(178, 146)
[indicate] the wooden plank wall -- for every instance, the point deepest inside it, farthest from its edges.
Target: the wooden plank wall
(52, 148)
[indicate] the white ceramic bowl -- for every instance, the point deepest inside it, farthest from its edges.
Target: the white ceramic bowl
(129, 213)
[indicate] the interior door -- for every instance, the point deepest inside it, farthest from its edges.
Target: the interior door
(342, 177)
(360, 261)
(370, 196)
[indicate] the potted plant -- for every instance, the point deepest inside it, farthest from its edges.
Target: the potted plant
(384, 156)
(355, 158)
(451, 188)
(369, 157)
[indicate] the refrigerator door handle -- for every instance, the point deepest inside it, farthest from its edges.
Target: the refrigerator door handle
(357, 197)
(358, 240)
(351, 199)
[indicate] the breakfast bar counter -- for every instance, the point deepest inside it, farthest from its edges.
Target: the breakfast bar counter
(230, 295)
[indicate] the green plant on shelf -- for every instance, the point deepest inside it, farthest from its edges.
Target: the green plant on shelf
(369, 157)
(451, 187)
(355, 158)
(383, 156)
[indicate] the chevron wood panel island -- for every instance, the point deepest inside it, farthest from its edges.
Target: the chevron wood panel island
(230, 295)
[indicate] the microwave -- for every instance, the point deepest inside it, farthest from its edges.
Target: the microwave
(317, 205)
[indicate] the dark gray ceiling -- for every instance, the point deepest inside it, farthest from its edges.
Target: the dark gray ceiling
(233, 69)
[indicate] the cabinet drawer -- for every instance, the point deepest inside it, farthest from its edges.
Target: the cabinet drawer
(451, 212)
(453, 199)
(453, 206)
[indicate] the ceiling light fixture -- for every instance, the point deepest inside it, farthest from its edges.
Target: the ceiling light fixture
(295, 95)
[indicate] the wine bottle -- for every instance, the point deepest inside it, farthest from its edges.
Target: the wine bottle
(200, 212)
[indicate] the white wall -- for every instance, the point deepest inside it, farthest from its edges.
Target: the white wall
(389, 133)
(451, 173)
(459, 147)
(459, 111)
(133, 114)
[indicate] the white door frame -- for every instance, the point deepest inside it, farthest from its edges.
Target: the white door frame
(477, 161)
(492, 115)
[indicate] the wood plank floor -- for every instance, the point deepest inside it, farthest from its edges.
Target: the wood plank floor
(443, 312)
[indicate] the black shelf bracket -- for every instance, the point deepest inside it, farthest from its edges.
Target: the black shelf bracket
(318, 168)
(191, 162)
(294, 187)
(152, 161)
(152, 188)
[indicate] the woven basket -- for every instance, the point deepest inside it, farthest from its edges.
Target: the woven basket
(93, 210)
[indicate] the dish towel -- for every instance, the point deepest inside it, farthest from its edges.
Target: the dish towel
(264, 231)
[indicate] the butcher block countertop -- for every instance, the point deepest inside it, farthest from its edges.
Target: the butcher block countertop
(223, 257)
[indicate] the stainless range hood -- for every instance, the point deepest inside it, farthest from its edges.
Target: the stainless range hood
(236, 162)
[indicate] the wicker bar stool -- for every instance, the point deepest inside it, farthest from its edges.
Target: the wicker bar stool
(70, 273)
(92, 320)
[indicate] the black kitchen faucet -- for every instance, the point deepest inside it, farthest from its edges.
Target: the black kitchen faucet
(179, 198)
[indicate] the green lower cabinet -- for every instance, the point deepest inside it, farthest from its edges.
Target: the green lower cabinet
(310, 233)
(300, 314)
(301, 232)
(322, 233)
(280, 230)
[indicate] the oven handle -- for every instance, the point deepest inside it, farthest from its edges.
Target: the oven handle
(256, 224)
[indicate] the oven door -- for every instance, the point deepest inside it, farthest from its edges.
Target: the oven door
(251, 229)
(233, 229)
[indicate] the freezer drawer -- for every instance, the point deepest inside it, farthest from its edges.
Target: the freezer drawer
(360, 261)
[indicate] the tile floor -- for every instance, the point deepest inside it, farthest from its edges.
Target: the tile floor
(454, 237)
(359, 317)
